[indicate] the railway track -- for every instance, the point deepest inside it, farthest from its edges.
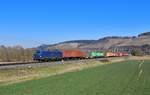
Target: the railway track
(19, 63)
(41, 64)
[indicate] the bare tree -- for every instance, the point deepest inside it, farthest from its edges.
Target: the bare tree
(14, 54)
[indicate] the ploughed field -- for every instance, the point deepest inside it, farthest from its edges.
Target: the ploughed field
(124, 78)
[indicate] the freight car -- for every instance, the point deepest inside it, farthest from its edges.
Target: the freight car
(109, 54)
(72, 54)
(97, 54)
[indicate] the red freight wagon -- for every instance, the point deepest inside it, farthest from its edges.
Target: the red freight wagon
(115, 54)
(109, 54)
(119, 54)
(73, 54)
(125, 54)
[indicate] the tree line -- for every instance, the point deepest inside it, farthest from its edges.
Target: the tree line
(15, 54)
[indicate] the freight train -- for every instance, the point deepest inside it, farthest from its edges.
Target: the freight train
(41, 55)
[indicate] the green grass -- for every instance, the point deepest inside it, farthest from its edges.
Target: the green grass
(15, 75)
(12, 75)
(113, 79)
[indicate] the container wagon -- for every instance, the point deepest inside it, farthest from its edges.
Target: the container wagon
(109, 54)
(97, 54)
(73, 54)
(125, 54)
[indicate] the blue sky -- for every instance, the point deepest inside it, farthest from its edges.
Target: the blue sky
(33, 22)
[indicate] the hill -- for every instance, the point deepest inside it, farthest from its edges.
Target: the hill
(144, 34)
(102, 43)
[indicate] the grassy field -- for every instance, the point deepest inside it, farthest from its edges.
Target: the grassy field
(124, 78)
(15, 75)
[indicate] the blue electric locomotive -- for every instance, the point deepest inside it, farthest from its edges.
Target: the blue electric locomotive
(41, 55)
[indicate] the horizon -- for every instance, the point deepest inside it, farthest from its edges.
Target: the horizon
(31, 23)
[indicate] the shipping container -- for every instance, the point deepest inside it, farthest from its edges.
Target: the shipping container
(120, 54)
(93, 54)
(109, 54)
(125, 54)
(114, 54)
(100, 54)
(73, 54)
(97, 54)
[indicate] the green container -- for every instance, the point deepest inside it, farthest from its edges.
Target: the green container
(93, 54)
(100, 54)
(97, 54)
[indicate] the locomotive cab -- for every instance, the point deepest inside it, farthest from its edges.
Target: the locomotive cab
(37, 55)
